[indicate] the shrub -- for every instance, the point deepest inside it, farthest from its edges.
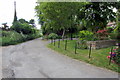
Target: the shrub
(24, 28)
(52, 36)
(86, 35)
(10, 37)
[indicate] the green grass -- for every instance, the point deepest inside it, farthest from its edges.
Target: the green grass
(98, 57)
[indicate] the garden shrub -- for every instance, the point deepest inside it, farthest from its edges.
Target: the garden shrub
(52, 36)
(86, 35)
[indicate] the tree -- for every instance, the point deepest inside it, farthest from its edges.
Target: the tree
(32, 22)
(57, 16)
(96, 15)
(22, 21)
(5, 26)
(22, 26)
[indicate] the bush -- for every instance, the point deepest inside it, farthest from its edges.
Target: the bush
(87, 35)
(10, 37)
(24, 28)
(52, 36)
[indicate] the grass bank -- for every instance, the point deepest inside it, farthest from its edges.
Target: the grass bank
(98, 57)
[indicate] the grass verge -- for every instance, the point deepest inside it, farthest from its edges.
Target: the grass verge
(98, 57)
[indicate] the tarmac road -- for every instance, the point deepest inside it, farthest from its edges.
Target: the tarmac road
(33, 59)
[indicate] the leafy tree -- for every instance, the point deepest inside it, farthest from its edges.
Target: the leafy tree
(57, 16)
(5, 26)
(22, 21)
(22, 26)
(96, 15)
(32, 21)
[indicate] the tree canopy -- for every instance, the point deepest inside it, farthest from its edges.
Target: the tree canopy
(65, 16)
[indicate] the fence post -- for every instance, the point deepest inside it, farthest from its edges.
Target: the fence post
(59, 43)
(90, 50)
(54, 42)
(111, 55)
(75, 47)
(66, 44)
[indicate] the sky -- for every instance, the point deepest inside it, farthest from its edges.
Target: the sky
(25, 9)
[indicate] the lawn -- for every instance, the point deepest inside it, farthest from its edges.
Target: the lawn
(98, 57)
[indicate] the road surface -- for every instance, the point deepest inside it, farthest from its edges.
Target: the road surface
(33, 59)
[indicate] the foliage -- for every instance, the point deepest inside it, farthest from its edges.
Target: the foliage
(109, 29)
(102, 34)
(115, 56)
(22, 21)
(32, 21)
(52, 36)
(96, 14)
(113, 35)
(5, 26)
(12, 37)
(24, 28)
(86, 35)
(57, 16)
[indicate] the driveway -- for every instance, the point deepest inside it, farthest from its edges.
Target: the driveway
(33, 59)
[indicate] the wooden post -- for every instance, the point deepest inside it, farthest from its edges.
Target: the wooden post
(59, 43)
(111, 56)
(75, 47)
(54, 42)
(66, 44)
(90, 50)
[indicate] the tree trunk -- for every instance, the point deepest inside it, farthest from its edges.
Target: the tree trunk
(63, 34)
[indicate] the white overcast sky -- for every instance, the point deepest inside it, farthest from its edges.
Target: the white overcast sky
(25, 10)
